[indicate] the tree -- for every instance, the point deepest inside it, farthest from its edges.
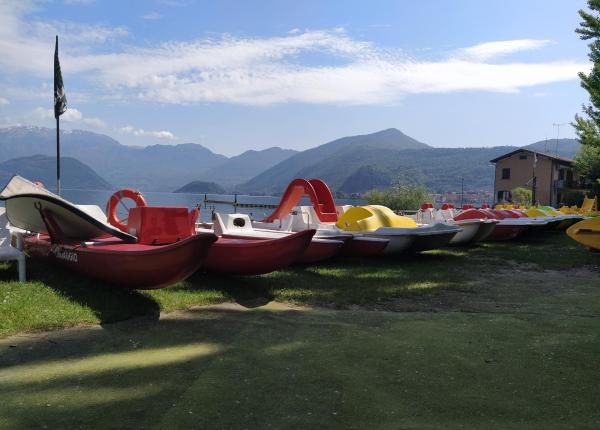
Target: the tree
(399, 197)
(521, 196)
(588, 128)
(587, 164)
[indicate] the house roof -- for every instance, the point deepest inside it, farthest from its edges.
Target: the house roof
(563, 160)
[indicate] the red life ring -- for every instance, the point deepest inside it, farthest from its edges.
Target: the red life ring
(113, 201)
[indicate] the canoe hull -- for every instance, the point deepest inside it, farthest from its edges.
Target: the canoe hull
(468, 233)
(485, 230)
(428, 242)
(132, 266)
(251, 256)
(364, 246)
(506, 232)
(319, 250)
(500, 230)
(397, 243)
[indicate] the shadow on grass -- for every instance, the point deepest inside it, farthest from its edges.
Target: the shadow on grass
(341, 282)
(285, 369)
(247, 291)
(109, 303)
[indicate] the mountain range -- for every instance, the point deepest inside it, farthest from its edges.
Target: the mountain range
(139, 167)
(360, 163)
(74, 174)
(351, 164)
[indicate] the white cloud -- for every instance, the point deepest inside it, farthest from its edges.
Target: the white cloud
(151, 16)
(262, 71)
(139, 132)
(4, 101)
(71, 115)
(489, 50)
(94, 122)
(39, 113)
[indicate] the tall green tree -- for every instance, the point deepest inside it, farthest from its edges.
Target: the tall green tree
(587, 161)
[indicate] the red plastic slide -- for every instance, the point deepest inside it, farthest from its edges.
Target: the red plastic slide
(319, 195)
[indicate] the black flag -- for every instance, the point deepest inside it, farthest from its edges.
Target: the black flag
(60, 100)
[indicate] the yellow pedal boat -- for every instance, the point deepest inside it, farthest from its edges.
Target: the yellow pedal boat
(403, 232)
(586, 232)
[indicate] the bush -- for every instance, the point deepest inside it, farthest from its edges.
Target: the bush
(521, 196)
(399, 197)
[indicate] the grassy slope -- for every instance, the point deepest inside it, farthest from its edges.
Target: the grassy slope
(504, 336)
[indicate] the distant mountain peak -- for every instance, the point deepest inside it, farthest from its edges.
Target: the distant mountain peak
(391, 130)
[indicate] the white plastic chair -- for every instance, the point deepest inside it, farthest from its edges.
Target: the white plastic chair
(7, 251)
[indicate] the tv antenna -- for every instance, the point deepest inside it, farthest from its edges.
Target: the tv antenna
(557, 125)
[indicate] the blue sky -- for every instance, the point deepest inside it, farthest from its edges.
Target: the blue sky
(238, 75)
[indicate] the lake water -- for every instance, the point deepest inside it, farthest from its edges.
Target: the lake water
(99, 197)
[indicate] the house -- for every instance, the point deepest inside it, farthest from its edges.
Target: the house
(547, 175)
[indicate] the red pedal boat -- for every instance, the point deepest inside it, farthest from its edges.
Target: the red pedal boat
(503, 229)
(239, 226)
(247, 256)
(159, 249)
(130, 265)
(230, 256)
(226, 255)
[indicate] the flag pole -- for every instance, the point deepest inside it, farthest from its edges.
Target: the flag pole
(60, 106)
(58, 154)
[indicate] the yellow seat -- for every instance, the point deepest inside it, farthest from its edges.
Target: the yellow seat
(550, 211)
(535, 212)
(589, 205)
(372, 217)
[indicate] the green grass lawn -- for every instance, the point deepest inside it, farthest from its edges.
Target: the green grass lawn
(58, 298)
(500, 336)
(281, 368)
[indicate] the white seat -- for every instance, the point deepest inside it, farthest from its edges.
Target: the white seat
(231, 223)
(93, 211)
(7, 251)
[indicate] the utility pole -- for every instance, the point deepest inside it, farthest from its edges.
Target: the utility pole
(557, 125)
(534, 182)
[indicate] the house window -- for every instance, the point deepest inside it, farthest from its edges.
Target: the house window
(503, 196)
(523, 157)
(561, 174)
(506, 173)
